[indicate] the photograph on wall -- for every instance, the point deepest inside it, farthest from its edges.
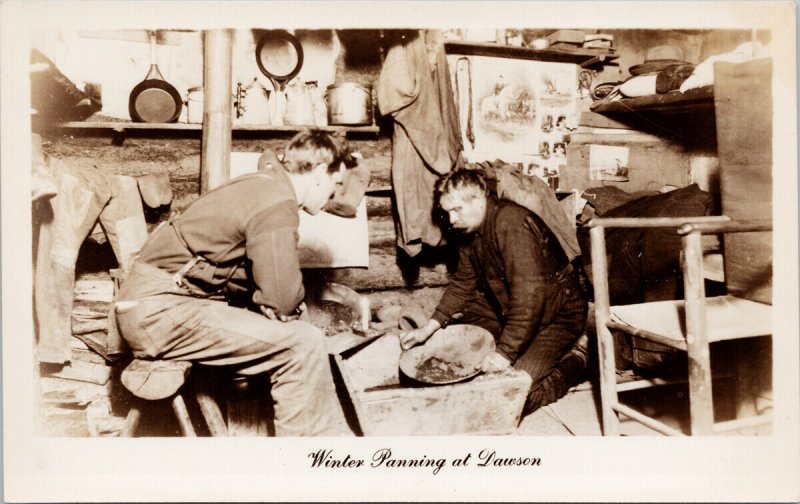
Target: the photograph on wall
(557, 85)
(608, 162)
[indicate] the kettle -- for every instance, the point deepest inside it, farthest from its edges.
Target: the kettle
(252, 104)
(299, 105)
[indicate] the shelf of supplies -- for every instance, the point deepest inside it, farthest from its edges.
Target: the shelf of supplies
(122, 126)
(694, 100)
(583, 57)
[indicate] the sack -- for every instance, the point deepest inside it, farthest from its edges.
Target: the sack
(671, 78)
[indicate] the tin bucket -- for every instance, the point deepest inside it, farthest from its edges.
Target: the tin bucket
(194, 105)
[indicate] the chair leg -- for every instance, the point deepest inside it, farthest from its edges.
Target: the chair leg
(701, 405)
(605, 342)
(211, 413)
(131, 422)
(608, 381)
(182, 414)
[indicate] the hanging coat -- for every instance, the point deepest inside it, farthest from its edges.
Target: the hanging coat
(415, 90)
(60, 225)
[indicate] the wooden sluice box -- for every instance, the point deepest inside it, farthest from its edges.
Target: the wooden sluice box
(487, 404)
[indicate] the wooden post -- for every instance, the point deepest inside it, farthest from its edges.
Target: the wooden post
(605, 342)
(700, 399)
(131, 422)
(215, 158)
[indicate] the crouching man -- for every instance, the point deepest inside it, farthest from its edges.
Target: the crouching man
(513, 279)
(242, 238)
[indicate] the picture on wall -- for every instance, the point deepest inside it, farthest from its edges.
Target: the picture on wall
(608, 162)
(515, 110)
(503, 105)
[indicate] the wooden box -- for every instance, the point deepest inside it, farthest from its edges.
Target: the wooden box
(573, 37)
(487, 404)
(744, 108)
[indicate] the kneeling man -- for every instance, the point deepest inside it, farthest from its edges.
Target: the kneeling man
(513, 279)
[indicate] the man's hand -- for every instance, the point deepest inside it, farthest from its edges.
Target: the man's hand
(270, 313)
(494, 362)
(417, 336)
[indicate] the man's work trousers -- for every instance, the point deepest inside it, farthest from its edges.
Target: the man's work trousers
(564, 320)
(159, 320)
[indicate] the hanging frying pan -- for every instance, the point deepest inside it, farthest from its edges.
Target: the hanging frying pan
(279, 56)
(154, 100)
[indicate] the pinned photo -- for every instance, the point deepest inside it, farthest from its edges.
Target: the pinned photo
(607, 162)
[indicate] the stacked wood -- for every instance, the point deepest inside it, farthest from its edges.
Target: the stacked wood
(76, 398)
(91, 313)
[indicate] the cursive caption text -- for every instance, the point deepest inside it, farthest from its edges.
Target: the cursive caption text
(327, 459)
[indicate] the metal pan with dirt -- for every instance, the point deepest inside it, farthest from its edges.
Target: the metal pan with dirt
(450, 355)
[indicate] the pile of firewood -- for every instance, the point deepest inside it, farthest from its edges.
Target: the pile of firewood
(80, 398)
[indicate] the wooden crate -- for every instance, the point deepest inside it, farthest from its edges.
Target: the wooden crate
(488, 404)
(743, 107)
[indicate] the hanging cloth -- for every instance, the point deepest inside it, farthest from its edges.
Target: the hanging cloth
(414, 88)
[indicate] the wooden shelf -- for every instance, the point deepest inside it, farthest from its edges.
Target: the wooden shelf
(583, 57)
(122, 126)
(692, 101)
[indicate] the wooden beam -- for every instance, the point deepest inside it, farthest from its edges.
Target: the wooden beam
(215, 162)
(580, 56)
(123, 125)
(142, 36)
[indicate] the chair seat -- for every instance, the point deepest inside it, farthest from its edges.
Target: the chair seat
(728, 317)
(156, 379)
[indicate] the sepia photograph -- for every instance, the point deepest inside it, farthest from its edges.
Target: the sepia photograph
(404, 251)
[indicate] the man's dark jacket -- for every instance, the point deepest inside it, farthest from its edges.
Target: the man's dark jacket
(513, 259)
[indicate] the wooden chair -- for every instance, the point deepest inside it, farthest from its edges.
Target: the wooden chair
(690, 325)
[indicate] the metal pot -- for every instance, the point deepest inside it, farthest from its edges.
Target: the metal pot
(349, 104)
